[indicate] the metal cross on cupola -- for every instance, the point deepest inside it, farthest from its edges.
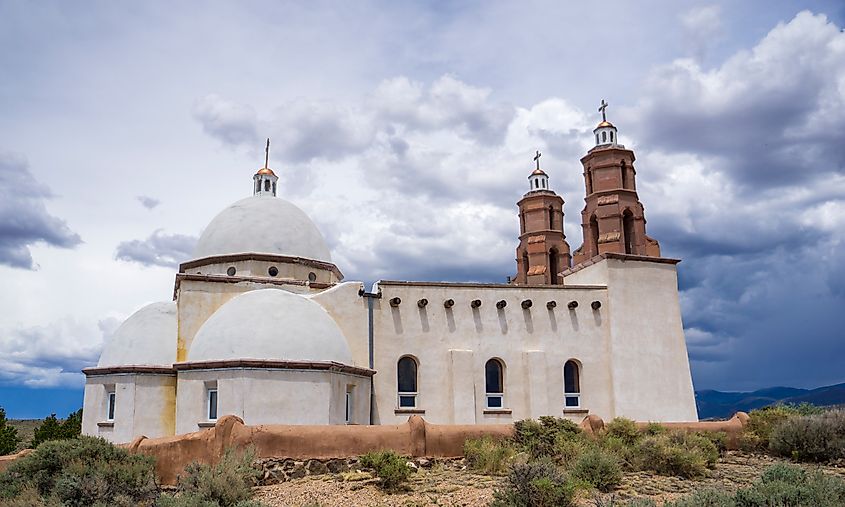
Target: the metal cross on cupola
(605, 131)
(264, 181)
(538, 180)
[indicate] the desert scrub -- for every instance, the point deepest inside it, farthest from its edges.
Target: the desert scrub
(80, 472)
(598, 468)
(623, 429)
(815, 438)
(537, 438)
(675, 454)
(488, 455)
(226, 484)
(391, 469)
(535, 484)
(762, 421)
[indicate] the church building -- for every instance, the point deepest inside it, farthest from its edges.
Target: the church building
(262, 325)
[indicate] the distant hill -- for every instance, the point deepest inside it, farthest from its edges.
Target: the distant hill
(719, 404)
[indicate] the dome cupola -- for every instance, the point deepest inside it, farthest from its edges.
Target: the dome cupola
(264, 181)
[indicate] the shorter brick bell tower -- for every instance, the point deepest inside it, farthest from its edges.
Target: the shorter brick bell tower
(613, 219)
(543, 251)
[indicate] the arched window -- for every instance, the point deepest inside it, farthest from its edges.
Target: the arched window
(571, 385)
(611, 136)
(406, 373)
(266, 185)
(624, 175)
(525, 265)
(604, 137)
(551, 218)
(494, 381)
(628, 229)
(553, 267)
(589, 180)
(522, 223)
(594, 234)
(274, 188)
(597, 139)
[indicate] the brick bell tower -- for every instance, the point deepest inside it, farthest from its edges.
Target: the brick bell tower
(543, 251)
(613, 219)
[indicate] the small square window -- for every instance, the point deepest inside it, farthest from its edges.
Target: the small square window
(494, 401)
(408, 400)
(572, 400)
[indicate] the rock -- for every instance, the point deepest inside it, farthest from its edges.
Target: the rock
(424, 462)
(337, 465)
(298, 472)
(413, 466)
(316, 467)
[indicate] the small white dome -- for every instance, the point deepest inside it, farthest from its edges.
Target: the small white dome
(147, 337)
(263, 224)
(270, 324)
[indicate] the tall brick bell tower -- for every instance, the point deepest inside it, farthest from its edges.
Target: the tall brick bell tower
(543, 251)
(613, 219)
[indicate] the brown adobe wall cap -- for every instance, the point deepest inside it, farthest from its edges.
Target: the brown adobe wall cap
(274, 365)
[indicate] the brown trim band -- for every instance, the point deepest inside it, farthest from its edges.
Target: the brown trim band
(237, 279)
(471, 285)
(112, 370)
(286, 259)
(618, 256)
(275, 365)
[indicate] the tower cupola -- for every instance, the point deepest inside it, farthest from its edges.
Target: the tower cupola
(605, 131)
(264, 181)
(538, 179)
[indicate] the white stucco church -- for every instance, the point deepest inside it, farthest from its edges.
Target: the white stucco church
(262, 325)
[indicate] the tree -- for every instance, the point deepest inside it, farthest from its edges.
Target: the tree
(8, 435)
(53, 429)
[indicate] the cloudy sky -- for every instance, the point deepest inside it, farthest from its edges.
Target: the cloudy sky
(406, 131)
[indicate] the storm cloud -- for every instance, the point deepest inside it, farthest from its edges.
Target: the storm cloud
(159, 249)
(24, 219)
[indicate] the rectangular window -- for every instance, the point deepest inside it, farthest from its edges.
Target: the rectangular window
(572, 400)
(407, 400)
(495, 401)
(110, 405)
(350, 404)
(212, 404)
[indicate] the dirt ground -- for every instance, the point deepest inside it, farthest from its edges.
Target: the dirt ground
(449, 487)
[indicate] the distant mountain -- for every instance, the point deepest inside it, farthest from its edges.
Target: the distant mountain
(719, 404)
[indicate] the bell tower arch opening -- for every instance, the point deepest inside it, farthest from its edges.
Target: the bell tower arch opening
(628, 231)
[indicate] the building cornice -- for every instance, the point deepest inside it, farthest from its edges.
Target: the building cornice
(471, 285)
(273, 365)
(128, 369)
(239, 257)
(619, 256)
(180, 277)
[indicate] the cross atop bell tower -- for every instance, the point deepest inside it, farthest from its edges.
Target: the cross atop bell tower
(543, 251)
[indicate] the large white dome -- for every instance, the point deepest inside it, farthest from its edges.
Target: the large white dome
(270, 324)
(147, 337)
(262, 224)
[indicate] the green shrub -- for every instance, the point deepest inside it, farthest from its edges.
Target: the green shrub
(81, 472)
(568, 448)
(653, 428)
(598, 468)
(704, 498)
(537, 438)
(488, 455)
(8, 435)
(535, 484)
(226, 484)
(790, 485)
(625, 430)
(762, 421)
(811, 438)
(389, 467)
(53, 429)
(669, 455)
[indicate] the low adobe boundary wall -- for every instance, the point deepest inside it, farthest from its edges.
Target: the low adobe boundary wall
(415, 438)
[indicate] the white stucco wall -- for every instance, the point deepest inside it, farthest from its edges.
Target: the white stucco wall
(651, 375)
(453, 345)
(271, 396)
(349, 311)
(145, 404)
